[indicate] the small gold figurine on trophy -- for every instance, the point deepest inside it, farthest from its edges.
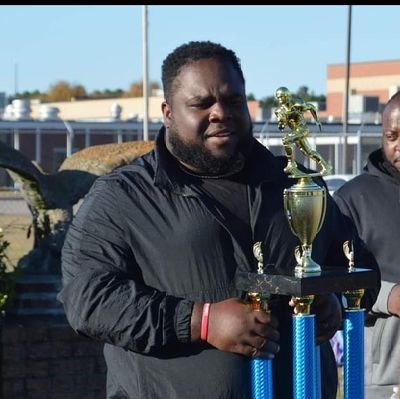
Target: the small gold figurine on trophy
(349, 254)
(305, 201)
(353, 297)
(290, 113)
(258, 300)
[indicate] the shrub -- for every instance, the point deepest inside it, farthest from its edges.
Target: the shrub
(8, 274)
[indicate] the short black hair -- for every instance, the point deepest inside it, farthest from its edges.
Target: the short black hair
(393, 102)
(395, 98)
(190, 52)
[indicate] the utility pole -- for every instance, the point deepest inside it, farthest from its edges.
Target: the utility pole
(145, 76)
(346, 94)
(15, 80)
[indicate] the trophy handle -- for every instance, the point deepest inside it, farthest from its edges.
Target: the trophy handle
(308, 264)
(286, 205)
(321, 222)
(298, 255)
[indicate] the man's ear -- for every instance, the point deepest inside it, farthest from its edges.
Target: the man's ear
(166, 111)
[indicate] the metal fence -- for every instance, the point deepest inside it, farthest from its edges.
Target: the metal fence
(346, 151)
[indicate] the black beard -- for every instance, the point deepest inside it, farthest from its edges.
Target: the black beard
(202, 160)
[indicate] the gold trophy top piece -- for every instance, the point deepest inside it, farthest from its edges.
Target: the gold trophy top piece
(349, 253)
(290, 112)
(353, 297)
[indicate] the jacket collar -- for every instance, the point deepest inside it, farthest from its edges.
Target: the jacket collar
(378, 165)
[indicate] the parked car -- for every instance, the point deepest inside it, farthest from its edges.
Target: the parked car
(335, 181)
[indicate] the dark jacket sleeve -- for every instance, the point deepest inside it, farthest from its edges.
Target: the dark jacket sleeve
(103, 293)
(362, 256)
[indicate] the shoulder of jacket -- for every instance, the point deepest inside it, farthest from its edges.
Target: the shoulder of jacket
(356, 185)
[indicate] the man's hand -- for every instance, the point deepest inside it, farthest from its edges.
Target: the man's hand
(235, 327)
(394, 300)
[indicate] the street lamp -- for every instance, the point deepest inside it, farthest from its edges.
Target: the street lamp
(346, 94)
(145, 76)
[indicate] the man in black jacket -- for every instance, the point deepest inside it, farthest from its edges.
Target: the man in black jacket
(150, 259)
(372, 202)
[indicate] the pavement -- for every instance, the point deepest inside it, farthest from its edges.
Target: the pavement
(10, 205)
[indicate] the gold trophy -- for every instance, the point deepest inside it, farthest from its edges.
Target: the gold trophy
(305, 205)
(305, 201)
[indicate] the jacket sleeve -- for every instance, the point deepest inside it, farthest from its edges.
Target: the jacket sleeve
(381, 304)
(103, 293)
(362, 256)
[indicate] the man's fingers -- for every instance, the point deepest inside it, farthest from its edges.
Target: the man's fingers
(267, 349)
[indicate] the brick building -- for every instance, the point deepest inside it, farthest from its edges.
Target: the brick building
(368, 80)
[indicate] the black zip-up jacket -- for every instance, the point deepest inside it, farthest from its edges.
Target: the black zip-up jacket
(146, 244)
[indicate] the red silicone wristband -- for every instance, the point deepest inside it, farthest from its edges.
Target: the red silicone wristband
(204, 322)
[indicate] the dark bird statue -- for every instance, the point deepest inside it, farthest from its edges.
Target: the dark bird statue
(51, 196)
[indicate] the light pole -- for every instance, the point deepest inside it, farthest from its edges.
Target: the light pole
(346, 93)
(145, 76)
(15, 80)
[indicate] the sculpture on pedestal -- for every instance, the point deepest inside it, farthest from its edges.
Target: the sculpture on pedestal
(51, 196)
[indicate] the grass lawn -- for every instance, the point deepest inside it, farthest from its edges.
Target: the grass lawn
(340, 388)
(15, 229)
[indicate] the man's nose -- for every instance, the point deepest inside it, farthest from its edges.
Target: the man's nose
(220, 112)
(397, 144)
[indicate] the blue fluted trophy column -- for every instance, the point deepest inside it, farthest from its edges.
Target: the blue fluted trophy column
(353, 337)
(261, 369)
(306, 376)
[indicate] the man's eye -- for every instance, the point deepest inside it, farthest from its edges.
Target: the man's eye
(391, 136)
(203, 105)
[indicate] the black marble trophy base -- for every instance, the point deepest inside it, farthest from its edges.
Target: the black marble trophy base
(330, 280)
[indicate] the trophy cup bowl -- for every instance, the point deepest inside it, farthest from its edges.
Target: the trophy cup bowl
(305, 206)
